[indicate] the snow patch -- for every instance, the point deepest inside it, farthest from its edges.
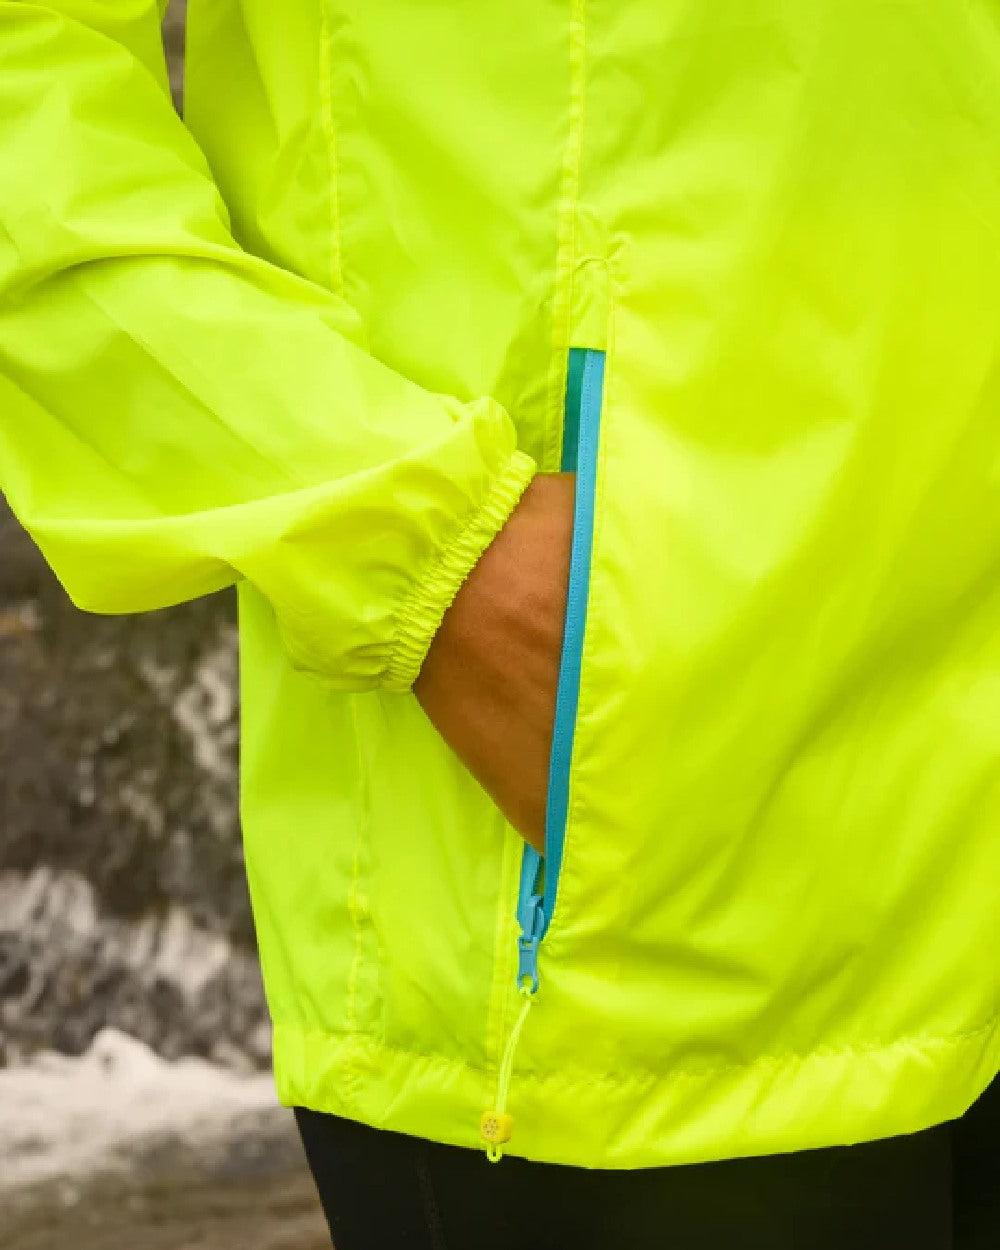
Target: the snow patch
(63, 1116)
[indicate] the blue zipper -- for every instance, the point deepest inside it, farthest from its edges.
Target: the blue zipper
(540, 874)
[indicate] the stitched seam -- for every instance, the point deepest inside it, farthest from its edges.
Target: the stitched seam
(562, 311)
(504, 945)
(693, 1071)
(639, 1075)
(353, 1073)
(336, 270)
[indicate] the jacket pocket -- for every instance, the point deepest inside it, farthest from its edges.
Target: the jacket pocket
(540, 873)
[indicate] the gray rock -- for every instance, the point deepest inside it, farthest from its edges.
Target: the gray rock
(68, 970)
(122, 892)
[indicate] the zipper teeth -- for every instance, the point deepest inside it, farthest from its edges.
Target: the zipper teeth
(534, 909)
(579, 453)
(571, 663)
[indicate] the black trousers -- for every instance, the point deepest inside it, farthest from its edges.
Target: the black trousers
(936, 1190)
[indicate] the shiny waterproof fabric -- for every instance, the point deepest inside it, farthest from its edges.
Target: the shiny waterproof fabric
(316, 344)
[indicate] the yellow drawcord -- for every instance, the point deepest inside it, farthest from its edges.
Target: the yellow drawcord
(496, 1126)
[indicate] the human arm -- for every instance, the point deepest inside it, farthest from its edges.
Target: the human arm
(489, 680)
(177, 414)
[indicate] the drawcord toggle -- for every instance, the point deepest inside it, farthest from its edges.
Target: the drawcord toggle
(497, 1126)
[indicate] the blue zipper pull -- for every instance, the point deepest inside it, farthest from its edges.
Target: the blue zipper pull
(527, 955)
(531, 917)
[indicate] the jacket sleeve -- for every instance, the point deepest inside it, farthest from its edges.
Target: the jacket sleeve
(176, 414)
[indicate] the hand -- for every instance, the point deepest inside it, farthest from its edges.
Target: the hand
(488, 682)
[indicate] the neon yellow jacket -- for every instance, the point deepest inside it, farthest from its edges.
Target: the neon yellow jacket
(737, 264)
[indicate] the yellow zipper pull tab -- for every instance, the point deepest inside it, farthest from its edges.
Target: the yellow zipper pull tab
(497, 1126)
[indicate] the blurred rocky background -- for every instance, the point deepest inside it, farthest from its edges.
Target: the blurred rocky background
(136, 1107)
(173, 41)
(122, 895)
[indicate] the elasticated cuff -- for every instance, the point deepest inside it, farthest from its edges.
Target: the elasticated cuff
(422, 613)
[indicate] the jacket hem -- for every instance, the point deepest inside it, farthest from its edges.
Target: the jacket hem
(576, 1116)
